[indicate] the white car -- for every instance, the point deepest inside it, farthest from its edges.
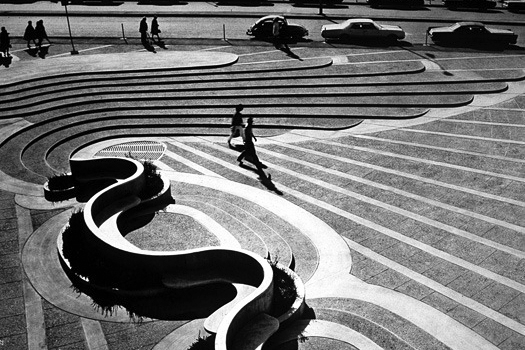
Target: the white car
(362, 29)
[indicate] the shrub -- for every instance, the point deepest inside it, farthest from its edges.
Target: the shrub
(59, 182)
(203, 343)
(284, 290)
(153, 183)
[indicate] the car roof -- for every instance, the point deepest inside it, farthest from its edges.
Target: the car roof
(367, 20)
(470, 24)
(269, 17)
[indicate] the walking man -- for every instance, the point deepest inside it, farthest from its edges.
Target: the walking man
(143, 29)
(249, 152)
(237, 126)
(29, 34)
(5, 42)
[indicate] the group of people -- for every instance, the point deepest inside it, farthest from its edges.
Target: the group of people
(36, 34)
(143, 29)
(238, 129)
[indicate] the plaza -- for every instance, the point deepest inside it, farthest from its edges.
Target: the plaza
(396, 189)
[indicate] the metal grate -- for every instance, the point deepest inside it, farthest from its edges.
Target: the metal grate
(143, 150)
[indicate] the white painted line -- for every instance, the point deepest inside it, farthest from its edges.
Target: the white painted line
(438, 287)
(432, 162)
(482, 123)
(269, 51)
(451, 150)
(69, 53)
(394, 209)
(189, 163)
(467, 137)
(216, 48)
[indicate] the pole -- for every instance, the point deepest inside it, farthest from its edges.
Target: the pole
(320, 7)
(123, 34)
(73, 52)
(224, 32)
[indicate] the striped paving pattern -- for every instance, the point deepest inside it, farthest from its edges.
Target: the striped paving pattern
(432, 214)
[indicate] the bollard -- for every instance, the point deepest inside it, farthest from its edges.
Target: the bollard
(224, 32)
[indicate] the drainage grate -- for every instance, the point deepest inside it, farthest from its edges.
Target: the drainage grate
(143, 150)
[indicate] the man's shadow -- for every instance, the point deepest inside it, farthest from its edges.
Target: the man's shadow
(44, 50)
(6, 61)
(266, 180)
(32, 51)
(161, 44)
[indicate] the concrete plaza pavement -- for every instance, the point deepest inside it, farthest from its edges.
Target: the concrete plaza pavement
(417, 242)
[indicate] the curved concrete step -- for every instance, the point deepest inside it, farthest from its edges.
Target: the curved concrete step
(319, 89)
(255, 333)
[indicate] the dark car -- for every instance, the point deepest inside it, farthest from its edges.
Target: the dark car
(472, 34)
(470, 4)
(514, 5)
(396, 4)
(263, 28)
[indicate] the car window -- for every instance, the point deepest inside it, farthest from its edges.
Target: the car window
(369, 26)
(357, 26)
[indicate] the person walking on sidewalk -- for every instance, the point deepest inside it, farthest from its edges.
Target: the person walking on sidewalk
(249, 152)
(237, 125)
(29, 34)
(5, 42)
(155, 29)
(40, 32)
(143, 29)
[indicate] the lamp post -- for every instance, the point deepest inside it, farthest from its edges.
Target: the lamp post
(320, 7)
(64, 3)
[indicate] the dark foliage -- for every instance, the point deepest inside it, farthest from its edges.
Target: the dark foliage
(203, 343)
(284, 290)
(59, 182)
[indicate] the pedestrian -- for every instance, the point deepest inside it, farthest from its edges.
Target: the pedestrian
(40, 32)
(5, 42)
(155, 29)
(29, 34)
(237, 125)
(249, 152)
(143, 29)
(279, 30)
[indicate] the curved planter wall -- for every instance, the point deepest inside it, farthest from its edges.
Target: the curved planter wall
(177, 269)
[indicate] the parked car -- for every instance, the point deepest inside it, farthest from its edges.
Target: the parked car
(472, 33)
(514, 5)
(469, 4)
(263, 28)
(361, 28)
(397, 4)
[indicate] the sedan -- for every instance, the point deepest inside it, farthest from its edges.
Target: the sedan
(472, 33)
(514, 5)
(263, 28)
(362, 29)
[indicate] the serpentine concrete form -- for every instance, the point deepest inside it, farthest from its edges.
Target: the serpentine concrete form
(217, 264)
